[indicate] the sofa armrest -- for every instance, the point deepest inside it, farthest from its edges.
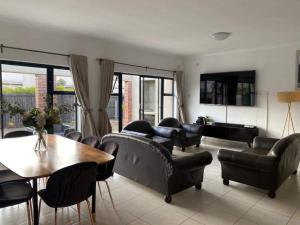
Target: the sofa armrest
(264, 142)
(167, 132)
(134, 133)
(256, 162)
(192, 128)
(192, 161)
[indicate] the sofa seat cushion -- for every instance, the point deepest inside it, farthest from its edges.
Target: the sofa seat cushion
(192, 136)
(257, 151)
(168, 143)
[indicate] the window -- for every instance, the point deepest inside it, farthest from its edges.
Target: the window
(137, 97)
(29, 84)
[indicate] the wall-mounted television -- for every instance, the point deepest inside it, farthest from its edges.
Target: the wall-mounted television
(228, 88)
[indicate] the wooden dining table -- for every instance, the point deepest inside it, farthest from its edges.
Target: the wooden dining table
(18, 155)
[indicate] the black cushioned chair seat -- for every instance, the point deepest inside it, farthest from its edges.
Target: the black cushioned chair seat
(14, 193)
(257, 151)
(192, 136)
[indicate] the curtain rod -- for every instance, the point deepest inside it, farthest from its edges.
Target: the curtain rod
(31, 50)
(144, 67)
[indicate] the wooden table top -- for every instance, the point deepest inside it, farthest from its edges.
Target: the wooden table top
(18, 155)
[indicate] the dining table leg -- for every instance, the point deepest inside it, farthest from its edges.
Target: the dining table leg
(35, 203)
(94, 202)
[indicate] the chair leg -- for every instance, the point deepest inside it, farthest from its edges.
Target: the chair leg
(28, 213)
(78, 211)
(90, 211)
(112, 202)
(99, 188)
(40, 206)
(55, 217)
(31, 210)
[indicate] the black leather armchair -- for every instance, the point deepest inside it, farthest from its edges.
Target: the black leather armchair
(265, 166)
(151, 164)
(161, 135)
(189, 134)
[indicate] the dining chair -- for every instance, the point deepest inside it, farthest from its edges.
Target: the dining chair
(14, 193)
(68, 130)
(70, 186)
(18, 133)
(91, 141)
(106, 171)
(74, 135)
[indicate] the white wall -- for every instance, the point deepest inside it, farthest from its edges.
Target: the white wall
(276, 71)
(59, 41)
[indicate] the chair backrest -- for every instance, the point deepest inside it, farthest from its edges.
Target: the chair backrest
(112, 148)
(68, 130)
(18, 133)
(71, 185)
(75, 135)
(91, 141)
(169, 122)
(142, 160)
(140, 126)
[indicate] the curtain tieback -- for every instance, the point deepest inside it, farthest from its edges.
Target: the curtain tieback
(101, 110)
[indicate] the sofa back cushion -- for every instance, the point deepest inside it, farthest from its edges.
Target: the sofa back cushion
(170, 122)
(141, 126)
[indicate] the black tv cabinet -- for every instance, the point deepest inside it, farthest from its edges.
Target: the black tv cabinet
(230, 131)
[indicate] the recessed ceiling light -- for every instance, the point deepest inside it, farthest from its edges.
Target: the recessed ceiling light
(220, 36)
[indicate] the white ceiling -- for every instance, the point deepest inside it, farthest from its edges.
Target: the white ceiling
(176, 26)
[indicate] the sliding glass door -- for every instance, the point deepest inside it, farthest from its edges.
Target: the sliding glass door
(138, 97)
(28, 85)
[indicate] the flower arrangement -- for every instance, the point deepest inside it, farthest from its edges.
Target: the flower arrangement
(37, 118)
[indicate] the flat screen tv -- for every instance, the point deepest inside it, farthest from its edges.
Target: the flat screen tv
(228, 88)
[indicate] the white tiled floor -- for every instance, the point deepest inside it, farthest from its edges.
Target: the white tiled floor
(212, 205)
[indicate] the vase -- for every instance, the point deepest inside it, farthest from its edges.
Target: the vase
(41, 143)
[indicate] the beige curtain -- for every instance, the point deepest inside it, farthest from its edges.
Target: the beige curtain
(79, 69)
(178, 78)
(106, 80)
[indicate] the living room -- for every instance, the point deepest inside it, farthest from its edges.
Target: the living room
(199, 126)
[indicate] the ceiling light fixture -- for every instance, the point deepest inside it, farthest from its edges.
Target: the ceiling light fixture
(220, 36)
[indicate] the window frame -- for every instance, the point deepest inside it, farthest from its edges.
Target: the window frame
(50, 84)
(162, 94)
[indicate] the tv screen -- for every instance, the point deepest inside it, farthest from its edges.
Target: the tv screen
(228, 88)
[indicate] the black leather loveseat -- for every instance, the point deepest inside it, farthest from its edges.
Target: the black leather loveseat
(189, 134)
(161, 135)
(265, 166)
(151, 164)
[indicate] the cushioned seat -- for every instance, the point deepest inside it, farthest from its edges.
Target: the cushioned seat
(189, 134)
(267, 165)
(14, 193)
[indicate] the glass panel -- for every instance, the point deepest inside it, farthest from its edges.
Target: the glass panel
(151, 100)
(115, 85)
(113, 112)
(26, 86)
(131, 98)
(168, 86)
(68, 120)
(63, 80)
(168, 106)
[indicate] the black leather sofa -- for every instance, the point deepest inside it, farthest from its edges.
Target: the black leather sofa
(151, 164)
(161, 135)
(189, 134)
(265, 166)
